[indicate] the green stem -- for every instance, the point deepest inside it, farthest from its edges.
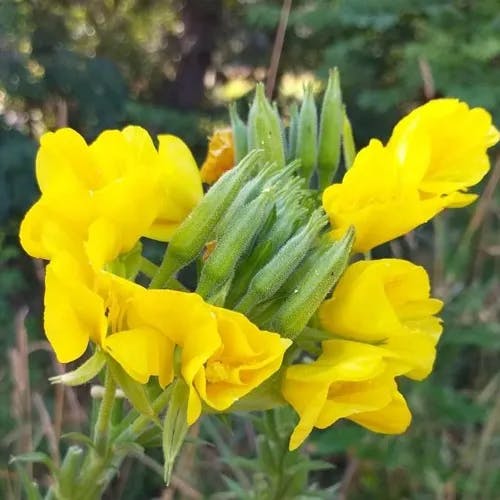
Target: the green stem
(135, 427)
(148, 268)
(168, 267)
(104, 415)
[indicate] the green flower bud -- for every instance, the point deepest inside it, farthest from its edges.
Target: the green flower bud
(268, 177)
(330, 131)
(348, 146)
(234, 243)
(191, 236)
(289, 213)
(264, 129)
(292, 132)
(239, 134)
(296, 311)
(274, 233)
(307, 134)
(247, 193)
(270, 278)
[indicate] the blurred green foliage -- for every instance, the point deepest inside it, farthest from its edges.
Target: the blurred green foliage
(105, 63)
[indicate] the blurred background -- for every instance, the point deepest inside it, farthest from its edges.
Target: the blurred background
(173, 66)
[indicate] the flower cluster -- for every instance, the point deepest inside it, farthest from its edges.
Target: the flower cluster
(271, 257)
(97, 201)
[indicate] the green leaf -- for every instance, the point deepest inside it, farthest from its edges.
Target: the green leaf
(29, 486)
(78, 437)
(34, 457)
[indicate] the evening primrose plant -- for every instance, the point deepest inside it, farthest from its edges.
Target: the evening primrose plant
(288, 318)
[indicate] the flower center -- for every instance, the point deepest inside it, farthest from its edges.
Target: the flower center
(216, 371)
(115, 314)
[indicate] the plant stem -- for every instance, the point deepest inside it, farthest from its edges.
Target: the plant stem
(135, 428)
(104, 416)
(166, 270)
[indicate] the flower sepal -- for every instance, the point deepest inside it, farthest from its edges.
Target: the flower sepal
(84, 373)
(175, 427)
(134, 391)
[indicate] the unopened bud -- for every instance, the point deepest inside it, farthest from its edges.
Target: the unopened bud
(270, 278)
(264, 129)
(307, 134)
(234, 243)
(330, 131)
(348, 146)
(247, 193)
(296, 311)
(191, 236)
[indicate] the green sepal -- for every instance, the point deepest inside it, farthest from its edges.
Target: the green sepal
(134, 391)
(293, 131)
(85, 372)
(175, 427)
(239, 130)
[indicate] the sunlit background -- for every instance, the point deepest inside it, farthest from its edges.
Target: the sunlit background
(173, 66)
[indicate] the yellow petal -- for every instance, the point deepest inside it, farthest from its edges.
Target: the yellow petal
(187, 321)
(341, 360)
(397, 312)
(308, 418)
(220, 156)
(181, 185)
(73, 313)
(63, 160)
(142, 352)
(246, 357)
(391, 419)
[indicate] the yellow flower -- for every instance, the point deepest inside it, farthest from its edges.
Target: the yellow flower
(434, 154)
(377, 200)
(224, 355)
(81, 305)
(453, 140)
(109, 193)
(349, 380)
(387, 302)
(220, 156)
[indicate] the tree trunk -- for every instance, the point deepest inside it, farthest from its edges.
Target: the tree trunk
(201, 20)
